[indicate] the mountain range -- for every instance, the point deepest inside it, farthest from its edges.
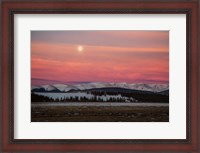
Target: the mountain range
(156, 88)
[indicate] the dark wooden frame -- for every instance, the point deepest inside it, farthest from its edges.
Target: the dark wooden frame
(11, 7)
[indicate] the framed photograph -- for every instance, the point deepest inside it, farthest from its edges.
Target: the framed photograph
(92, 76)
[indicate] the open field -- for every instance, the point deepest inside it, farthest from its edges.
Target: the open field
(99, 112)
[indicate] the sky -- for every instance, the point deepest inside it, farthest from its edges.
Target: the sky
(99, 56)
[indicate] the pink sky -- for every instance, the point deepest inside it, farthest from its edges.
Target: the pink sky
(107, 56)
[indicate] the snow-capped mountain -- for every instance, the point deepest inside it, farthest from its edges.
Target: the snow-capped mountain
(93, 85)
(50, 88)
(64, 87)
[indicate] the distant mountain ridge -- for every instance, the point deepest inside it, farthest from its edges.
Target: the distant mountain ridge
(157, 88)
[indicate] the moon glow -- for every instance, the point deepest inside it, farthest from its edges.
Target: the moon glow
(80, 48)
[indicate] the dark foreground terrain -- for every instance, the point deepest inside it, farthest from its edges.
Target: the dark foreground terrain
(99, 113)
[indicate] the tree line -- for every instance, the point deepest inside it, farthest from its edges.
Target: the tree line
(40, 98)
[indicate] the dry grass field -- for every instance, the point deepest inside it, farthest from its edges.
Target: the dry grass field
(99, 114)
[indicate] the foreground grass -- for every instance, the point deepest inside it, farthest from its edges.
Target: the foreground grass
(99, 114)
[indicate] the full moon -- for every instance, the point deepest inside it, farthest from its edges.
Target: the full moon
(80, 48)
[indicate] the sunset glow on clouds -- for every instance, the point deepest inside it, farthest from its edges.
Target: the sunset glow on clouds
(99, 56)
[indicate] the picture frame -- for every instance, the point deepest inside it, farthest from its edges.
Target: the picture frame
(10, 7)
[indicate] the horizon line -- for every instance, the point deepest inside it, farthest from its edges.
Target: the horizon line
(81, 82)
